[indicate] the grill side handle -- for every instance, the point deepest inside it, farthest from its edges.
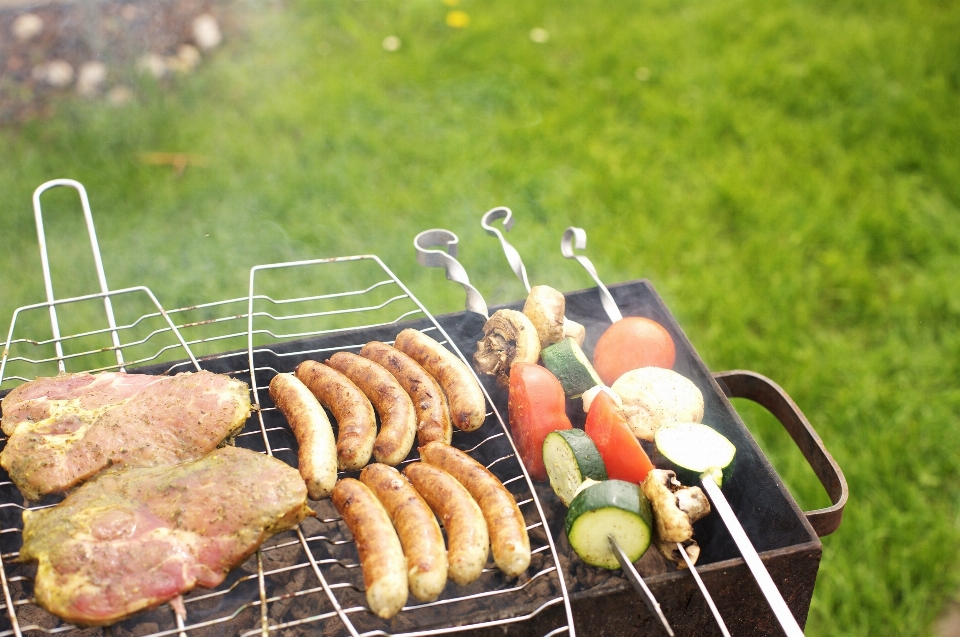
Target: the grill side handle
(766, 393)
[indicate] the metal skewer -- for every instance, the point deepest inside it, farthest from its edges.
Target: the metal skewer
(574, 237)
(641, 587)
(447, 259)
(787, 621)
(516, 264)
(513, 257)
(696, 576)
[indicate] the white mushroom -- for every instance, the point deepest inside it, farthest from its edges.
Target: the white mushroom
(675, 509)
(545, 307)
(670, 551)
(508, 337)
(653, 396)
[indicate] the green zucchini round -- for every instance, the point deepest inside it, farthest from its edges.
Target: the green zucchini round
(613, 507)
(691, 448)
(571, 366)
(570, 457)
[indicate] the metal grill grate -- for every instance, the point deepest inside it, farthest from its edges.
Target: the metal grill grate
(304, 581)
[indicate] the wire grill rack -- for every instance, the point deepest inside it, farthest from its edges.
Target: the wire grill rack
(304, 581)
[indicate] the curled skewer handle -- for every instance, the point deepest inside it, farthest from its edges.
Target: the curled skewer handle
(576, 238)
(513, 257)
(446, 259)
(639, 585)
(703, 589)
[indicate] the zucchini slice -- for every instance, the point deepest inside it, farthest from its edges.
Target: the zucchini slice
(568, 363)
(693, 448)
(613, 507)
(571, 457)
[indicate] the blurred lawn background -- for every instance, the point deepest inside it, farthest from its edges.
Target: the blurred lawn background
(786, 173)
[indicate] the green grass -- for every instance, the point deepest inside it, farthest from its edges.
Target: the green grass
(788, 177)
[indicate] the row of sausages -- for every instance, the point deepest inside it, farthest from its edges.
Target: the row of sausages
(418, 388)
(393, 519)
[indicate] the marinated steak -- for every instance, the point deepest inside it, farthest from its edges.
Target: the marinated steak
(64, 430)
(133, 538)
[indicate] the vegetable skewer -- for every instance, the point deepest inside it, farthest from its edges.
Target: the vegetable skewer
(516, 264)
(710, 485)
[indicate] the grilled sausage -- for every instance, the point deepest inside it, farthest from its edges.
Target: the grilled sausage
(467, 407)
(310, 425)
(381, 556)
(356, 422)
(417, 527)
(467, 537)
(508, 531)
(398, 420)
(433, 415)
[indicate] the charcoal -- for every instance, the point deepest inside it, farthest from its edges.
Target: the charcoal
(30, 614)
(142, 630)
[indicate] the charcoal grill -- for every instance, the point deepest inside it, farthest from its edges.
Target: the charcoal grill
(307, 581)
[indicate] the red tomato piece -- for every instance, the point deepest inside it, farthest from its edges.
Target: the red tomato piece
(537, 406)
(631, 343)
(622, 454)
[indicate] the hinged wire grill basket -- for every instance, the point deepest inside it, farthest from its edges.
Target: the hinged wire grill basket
(304, 581)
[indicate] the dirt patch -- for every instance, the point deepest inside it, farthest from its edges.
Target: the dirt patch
(949, 623)
(98, 48)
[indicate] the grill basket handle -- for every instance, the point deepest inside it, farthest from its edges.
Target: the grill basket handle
(765, 392)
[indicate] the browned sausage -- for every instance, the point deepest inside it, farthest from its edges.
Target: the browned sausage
(467, 406)
(467, 538)
(417, 527)
(381, 556)
(433, 415)
(356, 422)
(398, 419)
(508, 531)
(318, 451)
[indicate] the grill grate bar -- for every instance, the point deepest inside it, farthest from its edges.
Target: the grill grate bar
(486, 624)
(299, 335)
(33, 627)
(323, 583)
(299, 622)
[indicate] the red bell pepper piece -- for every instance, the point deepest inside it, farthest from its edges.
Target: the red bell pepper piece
(622, 454)
(537, 406)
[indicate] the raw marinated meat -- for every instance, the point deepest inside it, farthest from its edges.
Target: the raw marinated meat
(133, 538)
(66, 429)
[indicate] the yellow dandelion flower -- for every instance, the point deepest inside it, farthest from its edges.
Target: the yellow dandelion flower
(457, 19)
